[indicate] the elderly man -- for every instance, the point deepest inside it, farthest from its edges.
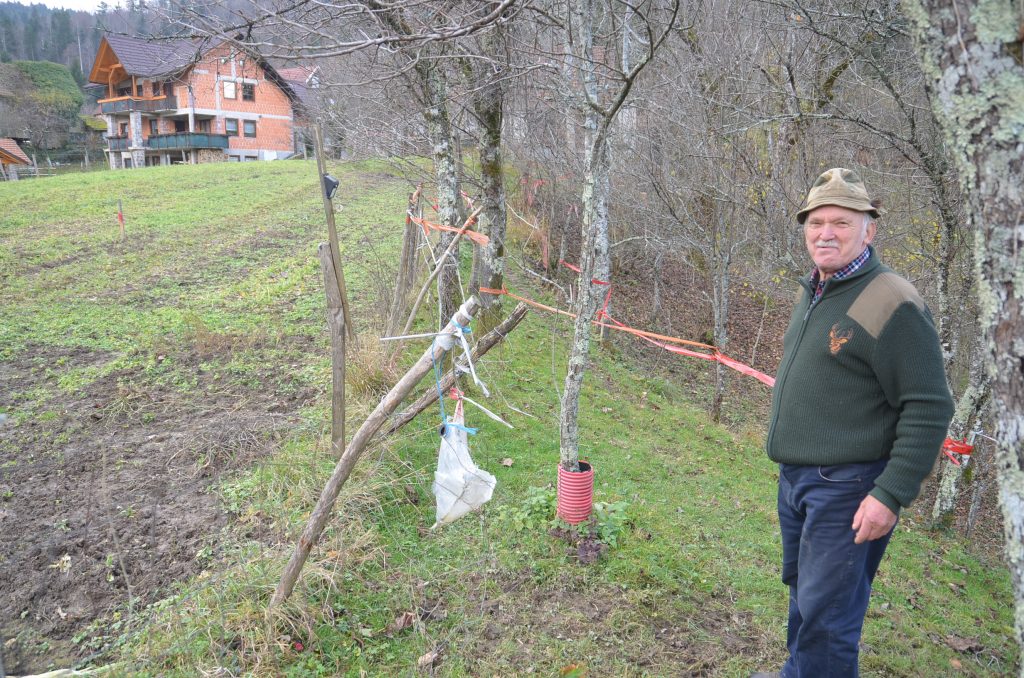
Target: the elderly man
(859, 413)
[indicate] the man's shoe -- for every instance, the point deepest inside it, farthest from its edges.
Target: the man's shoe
(764, 674)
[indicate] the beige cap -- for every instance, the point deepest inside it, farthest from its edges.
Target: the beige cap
(838, 186)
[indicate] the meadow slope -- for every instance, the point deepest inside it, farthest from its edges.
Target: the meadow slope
(164, 433)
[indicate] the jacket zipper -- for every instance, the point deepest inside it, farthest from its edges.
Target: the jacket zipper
(799, 340)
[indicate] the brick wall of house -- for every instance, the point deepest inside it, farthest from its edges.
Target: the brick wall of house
(271, 109)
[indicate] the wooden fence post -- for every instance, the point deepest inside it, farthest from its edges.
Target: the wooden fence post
(314, 528)
(336, 322)
(332, 232)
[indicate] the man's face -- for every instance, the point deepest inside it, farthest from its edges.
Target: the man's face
(835, 236)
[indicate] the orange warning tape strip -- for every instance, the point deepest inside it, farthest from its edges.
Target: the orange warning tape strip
(651, 337)
(960, 448)
(427, 226)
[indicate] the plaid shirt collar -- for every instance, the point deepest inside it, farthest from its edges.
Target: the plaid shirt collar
(844, 272)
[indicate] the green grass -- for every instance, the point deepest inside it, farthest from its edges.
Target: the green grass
(219, 263)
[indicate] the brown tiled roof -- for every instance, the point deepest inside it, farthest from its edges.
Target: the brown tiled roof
(10, 147)
(154, 58)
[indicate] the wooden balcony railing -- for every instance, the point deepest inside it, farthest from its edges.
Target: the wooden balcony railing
(187, 140)
(116, 143)
(177, 141)
(141, 104)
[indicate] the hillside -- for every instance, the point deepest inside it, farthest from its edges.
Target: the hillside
(164, 431)
(39, 100)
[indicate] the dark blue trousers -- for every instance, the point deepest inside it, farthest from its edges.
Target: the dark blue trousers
(829, 577)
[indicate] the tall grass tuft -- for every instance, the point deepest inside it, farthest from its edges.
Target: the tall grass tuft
(370, 372)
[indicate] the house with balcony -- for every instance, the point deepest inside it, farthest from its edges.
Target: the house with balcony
(190, 101)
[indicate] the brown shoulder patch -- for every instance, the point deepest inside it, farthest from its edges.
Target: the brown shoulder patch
(880, 299)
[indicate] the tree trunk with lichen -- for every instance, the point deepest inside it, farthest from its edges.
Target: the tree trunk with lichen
(968, 411)
(972, 52)
(720, 312)
(489, 260)
(446, 171)
(594, 264)
(603, 98)
(594, 252)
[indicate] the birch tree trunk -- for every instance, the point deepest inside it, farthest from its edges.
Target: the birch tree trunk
(603, 99)
(972, 52)
(594, 264)
(594, 261)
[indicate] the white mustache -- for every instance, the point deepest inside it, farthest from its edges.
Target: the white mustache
(826, 243)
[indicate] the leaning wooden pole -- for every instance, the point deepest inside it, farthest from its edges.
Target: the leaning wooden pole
(315, 527)
(332, 231)
(336, 324)
(486, 343)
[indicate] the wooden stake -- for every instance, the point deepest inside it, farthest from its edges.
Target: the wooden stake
(120, 219)
(405, 278)
(315, 527)
(332, 232)
(336, 322)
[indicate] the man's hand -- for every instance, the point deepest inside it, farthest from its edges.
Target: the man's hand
(872, 520)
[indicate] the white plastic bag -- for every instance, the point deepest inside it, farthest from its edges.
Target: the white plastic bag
(460, 486)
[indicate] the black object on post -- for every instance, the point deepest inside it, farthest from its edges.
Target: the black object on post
(330, 186)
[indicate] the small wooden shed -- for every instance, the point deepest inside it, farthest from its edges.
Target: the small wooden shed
(11, 156)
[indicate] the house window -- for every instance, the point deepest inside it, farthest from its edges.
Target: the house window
(231, 127)
(138, 89)
(122, 129)
(203, 126)
(229, 89)
(248, 91)
(154, 126)
(156, 89)
(181, 126)
(249, 128)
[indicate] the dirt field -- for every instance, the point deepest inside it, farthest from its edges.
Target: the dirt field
(106, 495)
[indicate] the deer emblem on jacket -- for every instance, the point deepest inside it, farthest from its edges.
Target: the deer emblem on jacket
(838, 337)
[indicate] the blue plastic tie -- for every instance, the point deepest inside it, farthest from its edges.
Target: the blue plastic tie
(471, 431)
(464, 330)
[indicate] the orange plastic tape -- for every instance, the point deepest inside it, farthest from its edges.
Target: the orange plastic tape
(960, 448)
(650, 337)
(478, 238)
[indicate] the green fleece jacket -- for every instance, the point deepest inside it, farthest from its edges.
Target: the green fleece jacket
(861, 379)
